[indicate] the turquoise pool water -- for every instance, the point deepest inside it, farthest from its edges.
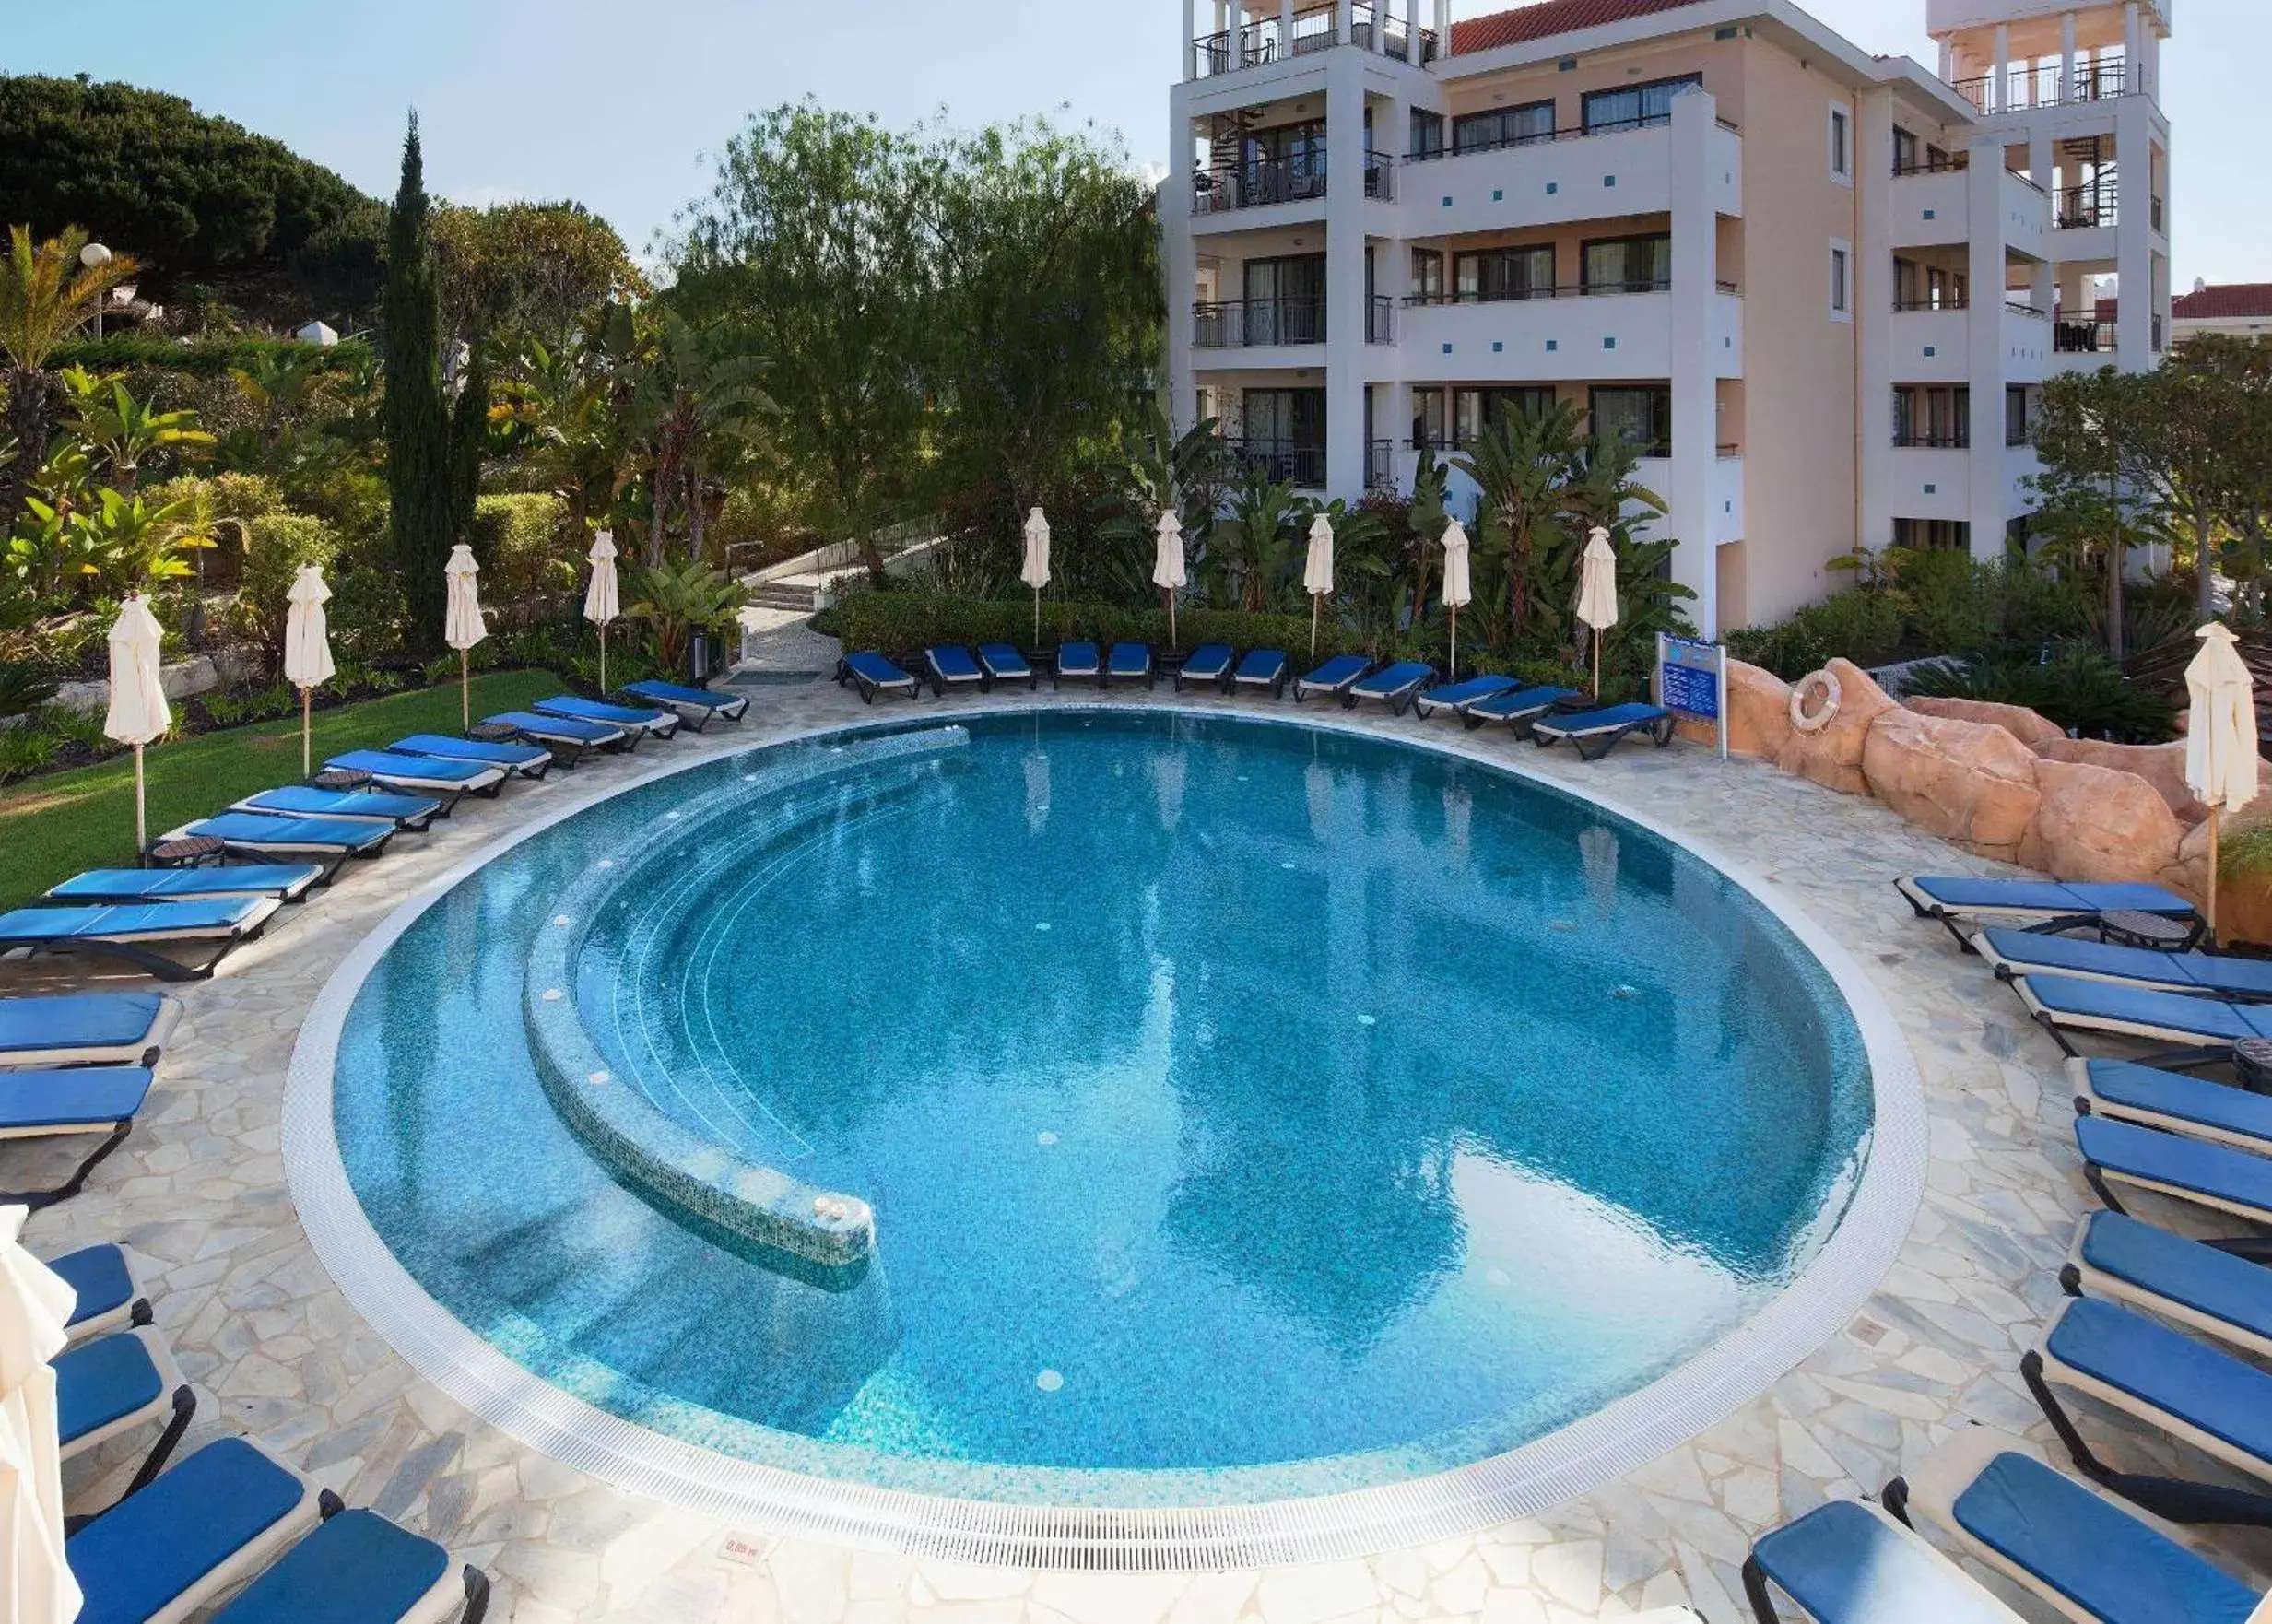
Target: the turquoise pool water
(1247, 1110)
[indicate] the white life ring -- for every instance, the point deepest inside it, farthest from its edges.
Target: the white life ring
(1806, 718)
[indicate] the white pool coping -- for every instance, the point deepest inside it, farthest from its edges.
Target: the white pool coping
(1598, 1448)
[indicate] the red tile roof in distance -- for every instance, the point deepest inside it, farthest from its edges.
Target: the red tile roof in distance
(2234, 299)
(1548, 17)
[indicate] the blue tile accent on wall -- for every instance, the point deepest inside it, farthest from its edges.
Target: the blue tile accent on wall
(1932, 213)
(1447, 350)
(1498, 347)
(1932, 490)
(1609, 343)
(1447, 201)
(1553, 187)
(1498, 195)
(1553, 344)
(1609, 180)
(1932, 349)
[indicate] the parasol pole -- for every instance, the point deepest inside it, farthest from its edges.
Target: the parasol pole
(1316, 599)
(2216, 813)
(1597, 661)
(142, 832)
(466, 687)
(1037, 617)
(1452, 674)
(603, 657)
(1168, 593)
(307, 698)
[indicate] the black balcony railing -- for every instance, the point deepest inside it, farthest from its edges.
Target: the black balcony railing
(1379, 176)
(2157, 333)
(2041, 86)
(1315, 28)
(1905, 307)
(1945, 163)
(1380, 319)
(2161, 220)
(2083, 339)
(1241, 323)
(1931, 440)
(1381, 465)
(1564, 290)
(2090, 205)
(1255, 185)
(2020, 307)
(1285, 462)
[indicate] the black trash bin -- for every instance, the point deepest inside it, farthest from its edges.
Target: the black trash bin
(2252, 1059)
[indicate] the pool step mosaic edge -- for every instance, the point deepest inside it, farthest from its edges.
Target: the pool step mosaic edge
(1617, 1438)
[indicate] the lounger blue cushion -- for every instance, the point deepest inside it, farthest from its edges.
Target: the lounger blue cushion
(1469, 692)
(1392, 680)
(567, 727)
(1262, 666)
(2168, 1371)
(2197, 973)
(2154, 1011)
(300, 800)
(1614, 719)
(79, 1097)
(1208, 662)
(2188, 1100)
(101, 1382)
(953, 664)
(159, 885)
(2096, 1555)
(427, 769)
(2178, 1270)
(517, 757)
(878, 670)
(76, 1020)
(1960, 893)
(1521, 702)
(264, 832)
(99, 1276)
(1078, 659)
(583, 710)
(1338, 672)
(357, 1569)
(145, 1550)
(1845, 1565)
(671, 693)
(1005, 661)
(2199, 1169)
(201, 917)
(1130, 659)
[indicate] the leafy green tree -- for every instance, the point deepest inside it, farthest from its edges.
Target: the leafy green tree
(1521, 466)
(528, 270)
(2102, 488)
(694, 397)
(1252, 551)
(469, 440)
(45, 296)
(425, 504)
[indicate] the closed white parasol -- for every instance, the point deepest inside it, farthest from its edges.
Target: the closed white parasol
(1168, 566)
(139, 713)
(2221, 736)
(1598, 593)
(1317, 573)
(1034, 572)
(306, 645)
(461, 626)
(36, 1585)
(1458, 588)
(601, 603)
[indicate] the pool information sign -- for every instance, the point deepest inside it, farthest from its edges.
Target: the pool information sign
(1692, 678)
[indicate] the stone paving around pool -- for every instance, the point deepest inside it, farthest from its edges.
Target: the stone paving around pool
(276, 1353)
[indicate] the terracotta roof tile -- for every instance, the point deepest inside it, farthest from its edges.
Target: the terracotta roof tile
(2230, 300)
(1548, 17)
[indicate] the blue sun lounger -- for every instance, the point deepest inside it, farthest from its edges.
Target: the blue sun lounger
(1394, 685)
(1210, 664)
(2019, 952)
(871, 674)
(70, 1104)
(2078, 1550)
(1128, 661)
(2173, 1103)
(952, 667)
(1005, 664)
(2195, 1283)
(1334, 678)
(1457, 696)
(133, 932)
(288, 882)
(1595, 734)
(1080, 661)
(697, 707)
(566, 737)
(528, 760)
(86, 1028)
(107, 1288)
(411, 814)
(1848, 1563)
(2045, 905)
(1520, 709)
(425, 774)
(361, 1568)
(2220, 1405)
(328, 841)
(2062, 1004)
(2213, 1176)
(1263, 668)
(661, 724)
(112, 1386)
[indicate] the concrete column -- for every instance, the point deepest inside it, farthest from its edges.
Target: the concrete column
(2040, 165)
(1342, 20)
(1380, 25)
(1179, 261)
(1695, 369)
(1985, 351)
(2067, 87)
(1190, 39)
(2000, 92)
(1949, 63)
(2133, 46)
(1873, 314)
(2134, 150)
(1345, 270)
(1443, 27)
(1286, 28)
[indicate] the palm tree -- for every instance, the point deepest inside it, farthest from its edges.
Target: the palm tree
(695, 398)
(278, 384)
(1522, 465)
(1250, 551)
(46, 295)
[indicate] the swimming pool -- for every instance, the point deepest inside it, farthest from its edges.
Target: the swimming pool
(1248, 1112)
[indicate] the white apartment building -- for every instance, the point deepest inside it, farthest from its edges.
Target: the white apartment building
(1820, 288)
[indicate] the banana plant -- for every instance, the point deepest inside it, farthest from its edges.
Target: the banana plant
(122, 430)
(1249, 550)
(124, 541)
(679, 600)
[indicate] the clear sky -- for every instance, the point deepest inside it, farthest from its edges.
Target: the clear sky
(615, 102)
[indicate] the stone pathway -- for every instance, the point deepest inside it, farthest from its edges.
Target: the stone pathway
(275, 1351)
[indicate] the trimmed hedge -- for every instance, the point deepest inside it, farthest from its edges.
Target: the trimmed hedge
(202, 357)
(906, 623)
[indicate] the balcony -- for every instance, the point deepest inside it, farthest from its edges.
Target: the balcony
(1224, 189)
(1381, 466)
(1284, 461)
(1932, 208)
(2041, 86)
(1931, 342)
(1570, 176)
(1265, 41)
(1379, 320)
(2083, 339)
(2091, 206)
(1248, 323)
(1560, 335)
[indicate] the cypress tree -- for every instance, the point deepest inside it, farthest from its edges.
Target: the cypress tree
(469, 438)
(416, 414)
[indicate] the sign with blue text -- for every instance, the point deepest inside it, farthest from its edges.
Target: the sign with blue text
(1692, 678)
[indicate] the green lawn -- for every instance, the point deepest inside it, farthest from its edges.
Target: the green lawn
(56, 826)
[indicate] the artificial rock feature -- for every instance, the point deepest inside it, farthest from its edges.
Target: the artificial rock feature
(1967, 782)
(1758, 712)
(2100, 826)
(2029, 727)
(1832, 758)
(2163, 766)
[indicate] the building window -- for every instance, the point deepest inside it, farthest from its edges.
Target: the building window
(1841, 281)
(1937, 535)
(1920, 286)
(1642, 415)
(1283, 165)
(1284, 435)
(1428, 420)
(1842, 146)
(1286, 299)
(1495, 274)
(1933, 417)
(1427, 133)
(1636, 106)
(2019, 413)
(1427, 276)
(1628, 264)
(1475, 410)
(1503, 126)
(1904, 150)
